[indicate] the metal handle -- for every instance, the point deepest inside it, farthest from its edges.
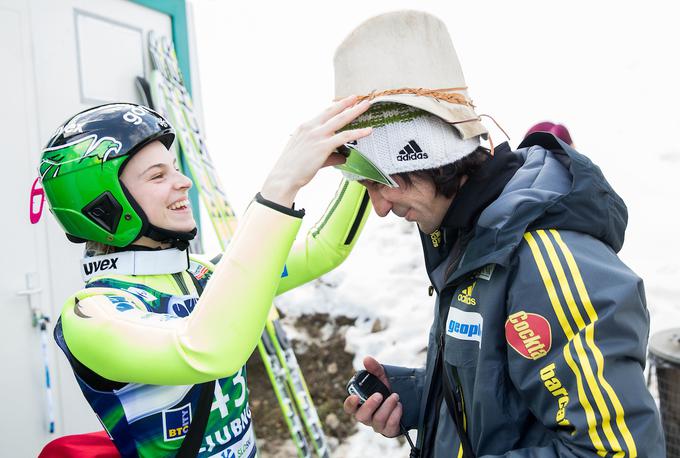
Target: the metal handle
(29, 292)
(32, 285)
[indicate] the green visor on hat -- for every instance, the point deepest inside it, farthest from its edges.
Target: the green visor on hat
(359, 165)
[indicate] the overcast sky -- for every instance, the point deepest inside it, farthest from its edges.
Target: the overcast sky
(608, 70)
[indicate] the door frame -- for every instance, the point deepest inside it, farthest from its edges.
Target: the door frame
(177, 10)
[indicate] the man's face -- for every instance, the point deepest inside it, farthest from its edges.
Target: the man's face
(417, 202)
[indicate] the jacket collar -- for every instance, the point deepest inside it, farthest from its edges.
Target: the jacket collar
(480, 190)
(556, 187)
(153, 262)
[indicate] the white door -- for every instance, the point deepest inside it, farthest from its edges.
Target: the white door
(57, 57)
(22, 381)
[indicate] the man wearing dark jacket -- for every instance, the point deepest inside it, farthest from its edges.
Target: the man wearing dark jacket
(539, 338)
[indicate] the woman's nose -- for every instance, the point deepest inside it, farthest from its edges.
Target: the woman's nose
(183, 181)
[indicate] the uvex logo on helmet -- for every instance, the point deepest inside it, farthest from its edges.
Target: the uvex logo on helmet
(529, 334)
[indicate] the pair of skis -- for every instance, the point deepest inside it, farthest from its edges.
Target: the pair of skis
(167, 93)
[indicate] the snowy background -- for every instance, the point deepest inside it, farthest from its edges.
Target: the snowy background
(608, 70)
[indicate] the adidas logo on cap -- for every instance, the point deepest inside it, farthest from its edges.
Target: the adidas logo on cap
(411, 152)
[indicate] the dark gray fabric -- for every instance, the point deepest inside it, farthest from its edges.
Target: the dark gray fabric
(408, 383)
(597, 317)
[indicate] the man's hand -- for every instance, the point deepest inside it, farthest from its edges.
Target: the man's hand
(383, 417)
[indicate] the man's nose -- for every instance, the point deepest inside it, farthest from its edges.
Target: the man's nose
(381, 205)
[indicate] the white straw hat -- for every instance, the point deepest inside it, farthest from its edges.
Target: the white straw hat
(407, 57)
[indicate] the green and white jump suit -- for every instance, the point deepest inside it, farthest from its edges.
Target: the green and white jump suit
(141, 342)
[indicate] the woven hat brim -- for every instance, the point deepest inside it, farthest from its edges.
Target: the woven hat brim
(449, 112)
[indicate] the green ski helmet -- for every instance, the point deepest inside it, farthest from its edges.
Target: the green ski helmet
(80, 169)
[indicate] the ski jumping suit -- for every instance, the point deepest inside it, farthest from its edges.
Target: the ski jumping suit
(540, 331)
(140, 344)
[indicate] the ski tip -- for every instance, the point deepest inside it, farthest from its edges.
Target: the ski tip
(145, 91)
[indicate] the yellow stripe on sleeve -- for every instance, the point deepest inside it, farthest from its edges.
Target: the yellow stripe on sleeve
(549, 286)
(590, 415)
(592, 314)
(578, 344)
(566, 327)
(597, 394)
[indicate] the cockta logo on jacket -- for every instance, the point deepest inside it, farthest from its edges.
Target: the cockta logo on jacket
(529, 334)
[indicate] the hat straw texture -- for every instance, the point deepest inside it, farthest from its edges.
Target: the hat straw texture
(407, 57)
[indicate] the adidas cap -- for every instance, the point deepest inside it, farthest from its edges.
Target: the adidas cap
(406, 139)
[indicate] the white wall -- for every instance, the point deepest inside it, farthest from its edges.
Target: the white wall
(57, 57)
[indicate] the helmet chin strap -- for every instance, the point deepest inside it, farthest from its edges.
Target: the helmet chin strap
(179, 240)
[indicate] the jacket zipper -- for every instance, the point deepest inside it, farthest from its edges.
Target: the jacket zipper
(426, 448)
(439, 396)
(439, 365)
(458, 393)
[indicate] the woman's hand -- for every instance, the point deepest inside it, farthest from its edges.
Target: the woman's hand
(311, 147)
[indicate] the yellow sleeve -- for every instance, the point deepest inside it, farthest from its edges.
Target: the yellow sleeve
(125, 343)
(330, 241)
